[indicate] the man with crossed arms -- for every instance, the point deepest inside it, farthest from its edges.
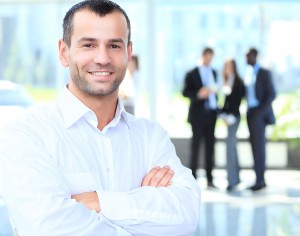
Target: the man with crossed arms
(82, 165)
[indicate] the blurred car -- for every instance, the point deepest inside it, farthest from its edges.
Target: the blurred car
(14, 100)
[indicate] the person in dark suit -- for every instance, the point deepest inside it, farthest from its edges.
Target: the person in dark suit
(260, 93)
(234, 90)
(200, 87)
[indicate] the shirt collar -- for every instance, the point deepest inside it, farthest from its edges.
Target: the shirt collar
(73, 109)
(120, 114)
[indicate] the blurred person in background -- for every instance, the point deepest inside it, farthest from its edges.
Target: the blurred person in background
(82, 165)
(260, 94)
(128, 88)
(200, 88)
(234, 90)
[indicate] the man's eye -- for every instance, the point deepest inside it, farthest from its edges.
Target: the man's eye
(88, 45)
(115, 46)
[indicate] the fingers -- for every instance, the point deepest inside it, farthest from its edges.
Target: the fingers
(149, 176)
(167, 175)
(78, 197)
(89, 199)
(204, 92)
(82, 197)
(159, 177)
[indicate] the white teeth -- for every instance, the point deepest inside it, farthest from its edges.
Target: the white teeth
(100, 73)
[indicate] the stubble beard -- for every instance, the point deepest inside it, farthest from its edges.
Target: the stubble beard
(84, 85)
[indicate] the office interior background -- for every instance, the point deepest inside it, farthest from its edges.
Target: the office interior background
(168, 37)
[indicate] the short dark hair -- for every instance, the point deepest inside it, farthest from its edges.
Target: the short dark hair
(100, 7)
(207, 50)
(253, 51)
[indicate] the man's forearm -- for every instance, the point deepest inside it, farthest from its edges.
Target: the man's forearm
(157, 177)
(89, 199)
(153, 211)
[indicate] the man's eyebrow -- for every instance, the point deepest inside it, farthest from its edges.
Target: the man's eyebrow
(86, 39)
(118, 40)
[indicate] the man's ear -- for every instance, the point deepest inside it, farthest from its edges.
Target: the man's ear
(129, 51)
(63, 53)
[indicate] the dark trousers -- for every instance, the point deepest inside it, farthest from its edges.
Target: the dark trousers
(257, 127)
(203, 129)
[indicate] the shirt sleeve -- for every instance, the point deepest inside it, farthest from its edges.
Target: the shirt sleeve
(269, 91)
(161, 211)
(190, 89)
(37, 195)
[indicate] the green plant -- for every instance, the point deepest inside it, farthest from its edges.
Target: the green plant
(287, 111)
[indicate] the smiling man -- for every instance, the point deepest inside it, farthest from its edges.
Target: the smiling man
(84, 166)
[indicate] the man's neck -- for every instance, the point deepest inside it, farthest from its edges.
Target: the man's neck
(103, 106)
(205, 64)
(104, 109)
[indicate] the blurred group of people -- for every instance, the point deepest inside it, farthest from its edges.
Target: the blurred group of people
(201, 87)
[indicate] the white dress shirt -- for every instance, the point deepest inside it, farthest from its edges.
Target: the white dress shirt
(250, 81)
(208, 80)
(56, 151)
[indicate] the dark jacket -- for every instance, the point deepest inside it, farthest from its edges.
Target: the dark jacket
(192, 84)
(265, 94)
(233, 101)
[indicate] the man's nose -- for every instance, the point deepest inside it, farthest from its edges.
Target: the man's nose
(102, 56)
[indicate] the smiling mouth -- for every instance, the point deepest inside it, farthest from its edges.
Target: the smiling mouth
(101, 73)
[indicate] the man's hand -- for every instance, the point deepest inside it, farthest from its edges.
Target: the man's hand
(158, 177)
(225, 121)
(204, 93)
(89, 199)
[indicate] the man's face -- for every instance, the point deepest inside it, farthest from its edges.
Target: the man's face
(99, 52)
(250, 58)
(207, 58)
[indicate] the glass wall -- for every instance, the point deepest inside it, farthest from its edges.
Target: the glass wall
(230, 29)
(168, 36)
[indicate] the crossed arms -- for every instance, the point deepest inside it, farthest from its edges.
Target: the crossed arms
(157, 177)
(38, 195)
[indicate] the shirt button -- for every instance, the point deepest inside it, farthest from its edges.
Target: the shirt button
(107, 170)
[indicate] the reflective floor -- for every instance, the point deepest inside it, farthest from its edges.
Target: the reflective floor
(274, 211)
